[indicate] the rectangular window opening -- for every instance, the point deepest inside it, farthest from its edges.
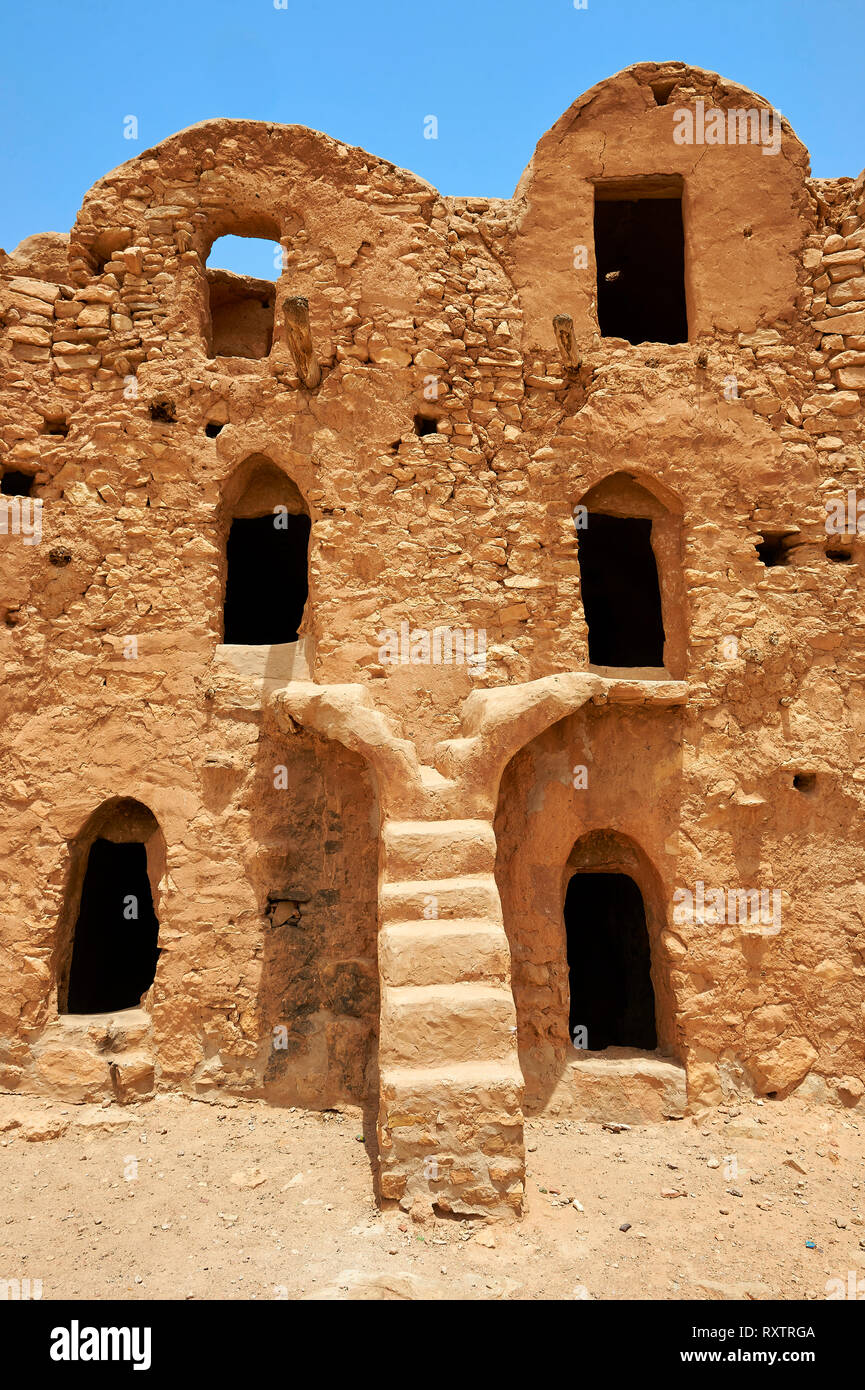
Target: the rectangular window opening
(640, 257)
(241, 282)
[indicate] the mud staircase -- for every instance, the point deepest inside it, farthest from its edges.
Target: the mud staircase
(451, 1084)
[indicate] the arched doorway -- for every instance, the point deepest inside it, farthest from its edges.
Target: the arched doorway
(109, 929)
(613, 921)
(612, 1001)
(266, 557)
(629, 550)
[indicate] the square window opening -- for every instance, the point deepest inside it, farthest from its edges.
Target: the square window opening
(241, 285)
(640, 257)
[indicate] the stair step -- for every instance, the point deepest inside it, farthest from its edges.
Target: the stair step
(464, 895)
(444, 952)
(441, 1024)
(480, 1077)
(435, 848)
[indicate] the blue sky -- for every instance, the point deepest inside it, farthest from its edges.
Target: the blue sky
(495, 73)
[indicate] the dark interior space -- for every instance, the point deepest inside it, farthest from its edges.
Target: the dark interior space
(16, 484)
(621, 594)
(772, 548)
(267, 583)
(114, 951)
(163, 411)
(425, 424)
(640, 255)
(609, 962)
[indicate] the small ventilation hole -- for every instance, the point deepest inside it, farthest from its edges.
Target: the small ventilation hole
(15, 484)
(805, 782)
(56, 424)
(162, 411)
(663, 89)
(212, 429)
(425, 424)
(772, 549)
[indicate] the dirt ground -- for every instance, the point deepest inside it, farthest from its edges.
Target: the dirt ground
(180, 1199)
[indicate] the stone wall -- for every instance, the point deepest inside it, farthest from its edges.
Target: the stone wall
(439, 307)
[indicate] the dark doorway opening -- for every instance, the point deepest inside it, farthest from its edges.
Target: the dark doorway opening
(640, 255)
(621, 593)
(609, 962)
(267, 585)
(114, 951)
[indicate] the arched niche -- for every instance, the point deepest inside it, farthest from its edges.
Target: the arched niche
(265, 529)
(107, 948)
(617, 860)
(629, 534)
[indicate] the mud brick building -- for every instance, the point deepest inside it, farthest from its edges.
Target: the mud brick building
(437, 656)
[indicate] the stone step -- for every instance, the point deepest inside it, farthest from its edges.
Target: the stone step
(464, 895)
(484, 1079)
(415, 849)
(108, 1033)
(623, 1084)
(466, 1121)
(456, 950)
(441, 1024)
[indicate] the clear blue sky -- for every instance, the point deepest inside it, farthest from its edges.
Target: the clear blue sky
(496, 74)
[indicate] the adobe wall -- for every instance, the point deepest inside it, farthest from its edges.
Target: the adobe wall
(471, 526)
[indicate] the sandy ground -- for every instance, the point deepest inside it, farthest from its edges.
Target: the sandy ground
(179, 1199)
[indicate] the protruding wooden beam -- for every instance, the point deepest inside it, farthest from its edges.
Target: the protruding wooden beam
(296, 310)
(563, 326)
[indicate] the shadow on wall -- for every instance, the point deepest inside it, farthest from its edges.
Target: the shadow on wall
(313, 868)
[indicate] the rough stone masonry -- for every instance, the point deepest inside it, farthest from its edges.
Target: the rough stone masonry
(362, 866)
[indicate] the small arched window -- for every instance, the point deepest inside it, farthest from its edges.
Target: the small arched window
(629, 547)
(109, 949)
(266, 558)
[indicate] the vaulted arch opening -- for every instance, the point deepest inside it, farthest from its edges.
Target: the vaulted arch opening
(108, 939)
(267, 529)
(613, 916)
(630, 558)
